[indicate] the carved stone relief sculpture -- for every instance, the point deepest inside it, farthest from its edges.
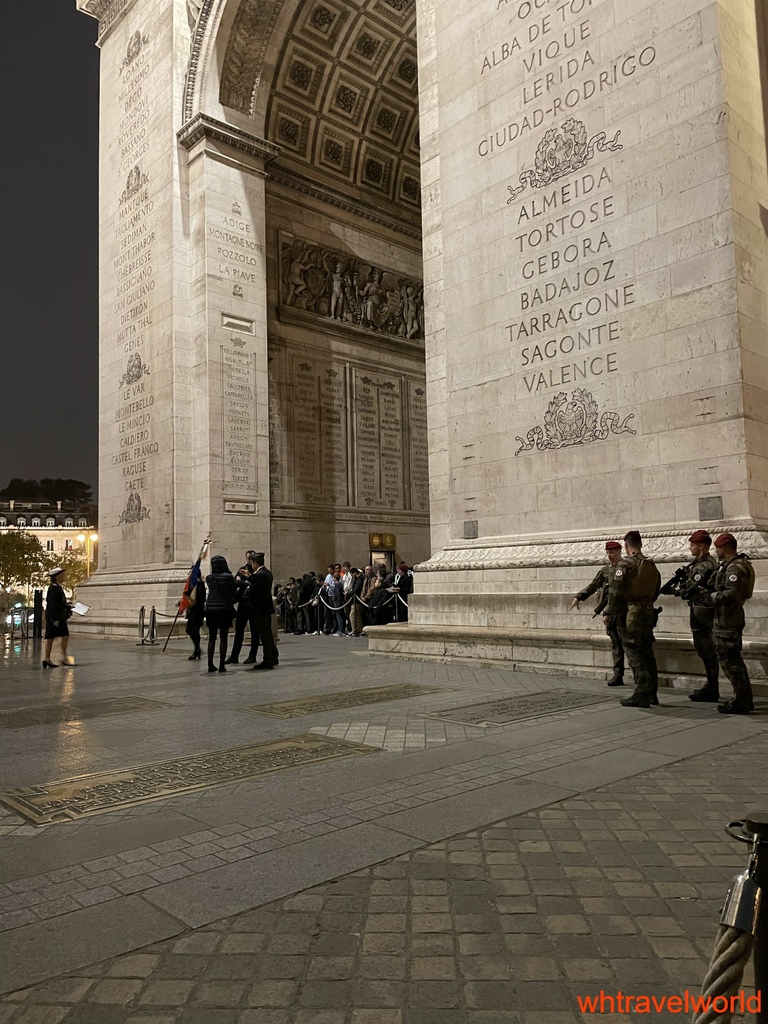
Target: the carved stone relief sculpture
(333, 285)
(574, 422)
(562, 151)
(134, 511)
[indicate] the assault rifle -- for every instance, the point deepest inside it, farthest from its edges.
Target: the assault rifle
(673, 585)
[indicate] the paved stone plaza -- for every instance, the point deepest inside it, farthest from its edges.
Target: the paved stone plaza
(454, 873)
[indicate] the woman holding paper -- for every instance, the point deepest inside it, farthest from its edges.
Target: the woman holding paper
(57, 611)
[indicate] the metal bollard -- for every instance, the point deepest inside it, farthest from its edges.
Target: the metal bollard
(38, 606)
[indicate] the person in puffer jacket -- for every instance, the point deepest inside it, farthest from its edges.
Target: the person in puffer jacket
(223, 595)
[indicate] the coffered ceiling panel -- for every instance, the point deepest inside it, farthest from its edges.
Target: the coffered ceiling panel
(344, 100)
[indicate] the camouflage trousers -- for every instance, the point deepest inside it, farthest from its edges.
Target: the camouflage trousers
(728, 646)
(617, 649)
(703, 640)
(638, 645)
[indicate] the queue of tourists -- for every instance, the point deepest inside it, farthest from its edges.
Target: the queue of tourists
(345, 600)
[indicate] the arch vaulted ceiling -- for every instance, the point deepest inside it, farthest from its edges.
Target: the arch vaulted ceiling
(343, 100)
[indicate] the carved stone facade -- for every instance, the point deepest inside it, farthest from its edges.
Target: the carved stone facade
(343, 100)
(262, 348)
(348, 291)
(574, 350)
(596, 282)
(346, 436)
(245, 53)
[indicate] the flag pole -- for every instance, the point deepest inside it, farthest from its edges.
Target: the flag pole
(200, 557)
(170, 631)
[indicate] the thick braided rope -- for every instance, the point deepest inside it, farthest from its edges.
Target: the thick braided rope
(726, 969)
(355, 598)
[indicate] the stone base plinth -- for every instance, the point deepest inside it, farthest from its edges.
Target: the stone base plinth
(115, 600)
(584, 653)
(506, 601)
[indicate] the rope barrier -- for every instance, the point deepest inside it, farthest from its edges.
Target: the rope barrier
(740, 930)
(314, 602)
(355, 597)
(318, 597)
(733, 949)
(321, 602)
(336, 608)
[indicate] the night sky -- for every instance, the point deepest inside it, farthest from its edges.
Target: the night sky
(49, 71)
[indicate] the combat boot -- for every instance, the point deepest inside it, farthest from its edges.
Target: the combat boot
(733, 707)
(616, 681)
(636, 701)
(705, 695)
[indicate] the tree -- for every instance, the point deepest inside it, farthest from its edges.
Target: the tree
(49, 489)
(19, 488)
(67, 490)
(9, 600)
(22, 560)
(75, 562)
(25, 565)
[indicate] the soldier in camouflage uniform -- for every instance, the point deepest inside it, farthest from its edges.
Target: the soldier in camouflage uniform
(702, 617)
(727, 591)
(602, 582)
(634, 588)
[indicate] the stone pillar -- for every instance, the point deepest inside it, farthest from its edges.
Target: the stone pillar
(230, 439)
(183, 366)
(595, 195)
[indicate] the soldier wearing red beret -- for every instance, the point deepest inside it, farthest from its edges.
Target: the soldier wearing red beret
(602, 582)
(634, 588)
(701, 618)
(727, 591)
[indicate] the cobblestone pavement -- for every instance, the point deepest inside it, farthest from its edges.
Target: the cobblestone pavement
(104, 885)
(617, 889)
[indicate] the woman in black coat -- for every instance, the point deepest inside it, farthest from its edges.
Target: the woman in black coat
(223, 595)
(57, 611)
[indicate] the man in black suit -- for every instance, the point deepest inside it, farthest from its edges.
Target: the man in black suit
(244, 617)
(259, 597)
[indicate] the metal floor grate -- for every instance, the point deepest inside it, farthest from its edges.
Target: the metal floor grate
(53, 714)
(75, 798)
(515, 709)
(344, 699)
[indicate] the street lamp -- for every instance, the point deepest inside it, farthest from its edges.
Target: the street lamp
(87, 539)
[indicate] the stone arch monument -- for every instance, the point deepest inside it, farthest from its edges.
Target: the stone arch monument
(554, 212)
(262, 298)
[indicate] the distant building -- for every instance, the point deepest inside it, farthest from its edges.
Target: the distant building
(56, 524)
